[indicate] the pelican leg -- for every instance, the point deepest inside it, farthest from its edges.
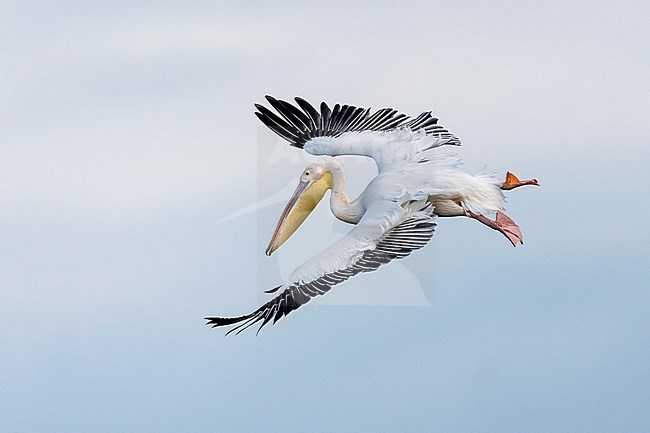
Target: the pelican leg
(503, 224)
(513, 182)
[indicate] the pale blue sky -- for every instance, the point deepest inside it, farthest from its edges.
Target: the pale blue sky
(127, 131)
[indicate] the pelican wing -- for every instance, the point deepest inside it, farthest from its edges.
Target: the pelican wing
(379, 238)
(386, 135)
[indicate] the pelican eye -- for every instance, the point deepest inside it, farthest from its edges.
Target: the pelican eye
(307, 173)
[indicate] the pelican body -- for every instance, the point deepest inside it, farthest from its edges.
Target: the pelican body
(451, 191)
(395, 214)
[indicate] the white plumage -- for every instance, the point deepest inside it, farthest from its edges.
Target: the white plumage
(394, 215)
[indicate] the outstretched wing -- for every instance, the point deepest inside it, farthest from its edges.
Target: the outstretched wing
(379, 238)
(386, 135)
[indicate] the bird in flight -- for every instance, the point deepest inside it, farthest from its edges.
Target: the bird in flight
(394, 216)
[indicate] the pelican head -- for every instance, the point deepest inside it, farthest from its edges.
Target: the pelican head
(315, 180)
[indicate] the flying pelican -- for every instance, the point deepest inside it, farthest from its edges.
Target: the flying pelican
(394, 215)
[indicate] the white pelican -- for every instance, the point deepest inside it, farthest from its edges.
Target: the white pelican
(395, 213)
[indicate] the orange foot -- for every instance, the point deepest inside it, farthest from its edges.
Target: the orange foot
(513, 182)
(503, 224)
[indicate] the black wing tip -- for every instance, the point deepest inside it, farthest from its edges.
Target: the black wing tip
(273, 290)
(222, 321)
(242, 322)
(300, 123)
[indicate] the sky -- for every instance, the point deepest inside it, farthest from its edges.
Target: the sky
(128, 142)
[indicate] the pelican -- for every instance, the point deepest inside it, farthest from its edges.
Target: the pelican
(394, 216)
